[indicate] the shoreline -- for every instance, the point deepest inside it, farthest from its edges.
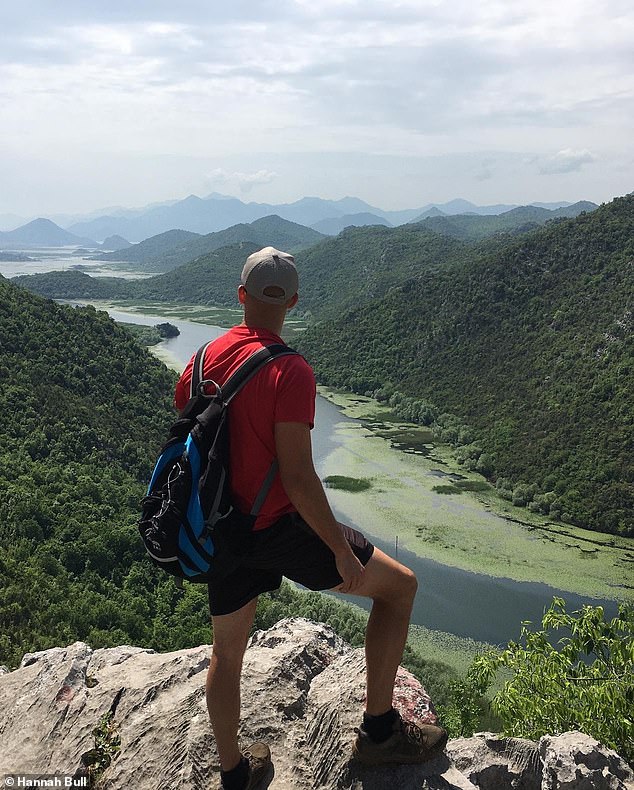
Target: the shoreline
(475, 532)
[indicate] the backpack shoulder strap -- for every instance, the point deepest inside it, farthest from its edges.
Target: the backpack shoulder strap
(197, 369)
(251, 366)
(234, 384)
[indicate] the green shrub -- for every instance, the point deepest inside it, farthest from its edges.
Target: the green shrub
(343, 483)
(446, 489)
(585, 682)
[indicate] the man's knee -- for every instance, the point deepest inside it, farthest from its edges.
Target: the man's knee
(408, 583)
(227, 657)
(401, 587)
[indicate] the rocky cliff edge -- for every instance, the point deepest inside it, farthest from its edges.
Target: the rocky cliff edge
(132, 718)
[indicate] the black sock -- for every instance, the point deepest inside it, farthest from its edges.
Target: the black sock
(379, 728)
(236, 778)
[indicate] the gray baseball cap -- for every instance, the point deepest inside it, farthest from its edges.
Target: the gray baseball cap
(270, 268)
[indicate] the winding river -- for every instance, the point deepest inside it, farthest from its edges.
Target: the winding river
(484, 608)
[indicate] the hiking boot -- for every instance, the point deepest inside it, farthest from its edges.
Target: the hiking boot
(409, 743)
(259, 757)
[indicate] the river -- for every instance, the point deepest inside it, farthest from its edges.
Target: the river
(484, 608)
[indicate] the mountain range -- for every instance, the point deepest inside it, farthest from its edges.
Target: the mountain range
(176, 247)
(217, 212)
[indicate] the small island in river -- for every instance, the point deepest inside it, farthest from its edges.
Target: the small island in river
(15, 257)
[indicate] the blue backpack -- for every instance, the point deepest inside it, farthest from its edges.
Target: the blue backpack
(188, 492)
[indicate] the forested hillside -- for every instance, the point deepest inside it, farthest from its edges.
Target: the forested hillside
(211, 279)
(362, 264)
(474, 227)
(83, 411)
(529, 347)
(174, 248)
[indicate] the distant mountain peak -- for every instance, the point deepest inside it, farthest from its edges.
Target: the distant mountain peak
(216, 212)
(43, 232)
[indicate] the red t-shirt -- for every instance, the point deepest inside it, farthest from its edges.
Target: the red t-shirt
(282, 391)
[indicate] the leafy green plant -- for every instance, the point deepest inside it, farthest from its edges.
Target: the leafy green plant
(585, 681)
(446, 489)
(465, 709)
(107, 746)
(343, 483)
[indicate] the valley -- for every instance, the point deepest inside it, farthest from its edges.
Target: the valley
(498, 556)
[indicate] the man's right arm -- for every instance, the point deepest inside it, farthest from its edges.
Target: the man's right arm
(303, 487)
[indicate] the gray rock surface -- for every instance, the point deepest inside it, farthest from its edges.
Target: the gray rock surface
(493, 762)
(303, 692)
(574, 761)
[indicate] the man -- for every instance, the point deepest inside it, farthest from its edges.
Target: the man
(295, 535)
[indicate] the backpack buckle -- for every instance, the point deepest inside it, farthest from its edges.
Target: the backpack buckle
(200, 389)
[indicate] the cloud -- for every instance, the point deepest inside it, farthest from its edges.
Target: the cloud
(566, 161)
(243, 181)
(259, 78)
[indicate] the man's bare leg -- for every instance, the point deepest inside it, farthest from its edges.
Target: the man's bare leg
(392, 588)
(231, 632)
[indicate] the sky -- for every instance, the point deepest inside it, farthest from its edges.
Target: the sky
(398, 103)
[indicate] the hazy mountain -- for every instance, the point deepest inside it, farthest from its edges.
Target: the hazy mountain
(334, 225)
(460, 206)
(176, 247)
(217, 212)
(552, 206)
(42, 233)
(192, 214)
(115, 243)
(434, 211)
(574, 209)
(474, 227)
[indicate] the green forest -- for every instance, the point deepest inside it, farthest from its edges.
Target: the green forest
(84, 409)
(520, 356)
(514, 346)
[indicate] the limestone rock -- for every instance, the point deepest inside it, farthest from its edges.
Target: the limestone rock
(493, 762)
(303, 692)
(574, 761)
(335, 702)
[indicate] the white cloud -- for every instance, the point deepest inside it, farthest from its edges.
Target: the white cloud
(566, 161)
(411, 78)
(219, 177)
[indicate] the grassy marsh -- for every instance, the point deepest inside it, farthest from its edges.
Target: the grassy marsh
(225, 317)
(477, 531)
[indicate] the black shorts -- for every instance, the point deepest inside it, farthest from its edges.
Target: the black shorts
(256, 562)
